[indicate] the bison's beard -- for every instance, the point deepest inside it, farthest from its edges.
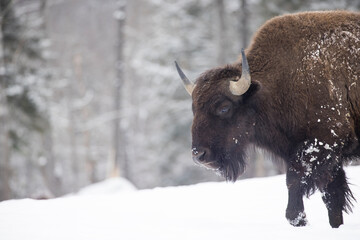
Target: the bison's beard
(232, 167)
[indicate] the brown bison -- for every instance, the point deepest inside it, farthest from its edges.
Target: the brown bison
(296, 93)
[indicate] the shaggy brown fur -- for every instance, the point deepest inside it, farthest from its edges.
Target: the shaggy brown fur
(303, 105)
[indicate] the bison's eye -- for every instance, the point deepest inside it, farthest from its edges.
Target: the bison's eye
(224, 110)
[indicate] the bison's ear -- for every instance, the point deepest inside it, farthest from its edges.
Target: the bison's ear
(253, 89)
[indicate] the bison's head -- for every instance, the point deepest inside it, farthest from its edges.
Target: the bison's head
(223, 117)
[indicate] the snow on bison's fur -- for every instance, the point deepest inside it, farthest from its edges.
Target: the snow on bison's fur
(296, 93)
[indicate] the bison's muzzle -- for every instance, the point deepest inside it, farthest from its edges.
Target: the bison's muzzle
(202, 156)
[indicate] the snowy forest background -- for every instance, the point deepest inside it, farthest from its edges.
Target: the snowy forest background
(88, 88)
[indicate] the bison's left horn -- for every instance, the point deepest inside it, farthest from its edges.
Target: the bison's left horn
(240, 86)
(189, 86)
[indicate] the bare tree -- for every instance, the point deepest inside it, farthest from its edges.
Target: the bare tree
(6, 15)
(243, 24)
(5, 191)
(221, 33)
(121, 160)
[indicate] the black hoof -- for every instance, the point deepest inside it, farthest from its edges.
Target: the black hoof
(297, 219)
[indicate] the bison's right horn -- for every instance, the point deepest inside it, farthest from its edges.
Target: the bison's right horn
(240, 86)
(189, 86)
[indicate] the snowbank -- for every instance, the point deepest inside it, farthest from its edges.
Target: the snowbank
(107, 187)
(248, 209)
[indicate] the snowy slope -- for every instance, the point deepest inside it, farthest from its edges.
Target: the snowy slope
(248, 209)
(107, 187)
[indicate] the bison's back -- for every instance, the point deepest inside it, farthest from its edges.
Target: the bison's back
(313, 61)
(329, 67)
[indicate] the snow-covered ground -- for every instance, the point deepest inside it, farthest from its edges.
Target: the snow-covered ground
(248, 209)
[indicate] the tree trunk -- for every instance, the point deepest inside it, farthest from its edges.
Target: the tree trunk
(121, 161)
(5, 190)
(52, 181)
(243, 24)
(221, 33)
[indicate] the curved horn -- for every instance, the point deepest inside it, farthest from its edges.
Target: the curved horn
(189, 86)
(240, 86)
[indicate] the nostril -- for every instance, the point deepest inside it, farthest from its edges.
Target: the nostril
(198, 154)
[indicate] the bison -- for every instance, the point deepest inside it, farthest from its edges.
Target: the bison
(296, 94)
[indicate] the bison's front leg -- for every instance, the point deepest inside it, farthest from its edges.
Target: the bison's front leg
(337, 197)
(295, 208)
